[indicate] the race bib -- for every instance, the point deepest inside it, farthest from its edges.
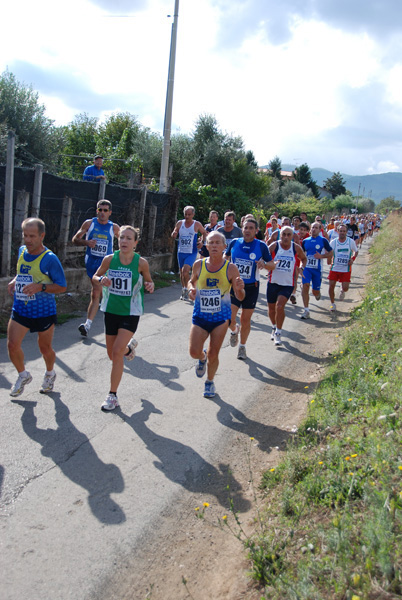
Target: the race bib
(312, 263)
(121, 282)
(20, 283)
(245, 267)
(284, 264)
(342, 262)
(186, 244)
(100, 248)
(210, 301)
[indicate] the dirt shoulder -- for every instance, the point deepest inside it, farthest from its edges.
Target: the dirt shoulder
(211, 561)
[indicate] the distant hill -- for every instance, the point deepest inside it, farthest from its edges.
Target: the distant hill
(376, 187)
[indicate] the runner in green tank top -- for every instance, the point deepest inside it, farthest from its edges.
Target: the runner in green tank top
(123, 276)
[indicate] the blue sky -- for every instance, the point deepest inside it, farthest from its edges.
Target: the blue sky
(316, 81)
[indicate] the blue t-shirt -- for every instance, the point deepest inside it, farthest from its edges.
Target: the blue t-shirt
(91, 172)
(245, 256)
(311, 246)
(39, 268)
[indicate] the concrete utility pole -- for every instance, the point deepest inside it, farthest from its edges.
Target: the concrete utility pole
(163, 182)
(8, 206)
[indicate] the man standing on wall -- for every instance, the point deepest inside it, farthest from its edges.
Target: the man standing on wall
(95, 171)
(97, 235)
(39, 277)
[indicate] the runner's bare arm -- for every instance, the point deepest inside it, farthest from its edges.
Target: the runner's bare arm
(175, 231)
(78, 238)
(99, 275)
(143, 268)
(116, 230)
(300, 253)
(236, 281)
(194, 278)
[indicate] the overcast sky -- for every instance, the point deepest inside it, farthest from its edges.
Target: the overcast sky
(315, 81)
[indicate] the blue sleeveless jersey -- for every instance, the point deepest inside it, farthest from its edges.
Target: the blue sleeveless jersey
(104, 235)
(245, 256)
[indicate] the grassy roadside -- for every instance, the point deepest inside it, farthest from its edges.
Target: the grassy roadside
(70, 306)
(331, 522)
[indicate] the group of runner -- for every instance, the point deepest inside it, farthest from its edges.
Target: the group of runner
(225, 279)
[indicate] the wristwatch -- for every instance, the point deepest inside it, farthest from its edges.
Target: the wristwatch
(44, 287)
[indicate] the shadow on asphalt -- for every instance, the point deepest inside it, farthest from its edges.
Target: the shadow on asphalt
(142, 369)
(267, 436)
(73, 453)
(183, 465)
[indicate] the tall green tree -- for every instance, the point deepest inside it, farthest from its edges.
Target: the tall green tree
(21, 111)
(303, 175)
(335, 184)
(275, 168)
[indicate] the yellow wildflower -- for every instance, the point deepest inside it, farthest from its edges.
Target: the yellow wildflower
(205, 504)
(272, 470)
(347, 458)
(224, 517)
(321, 462)
(251, 439)
(197, 508)
(353, 455)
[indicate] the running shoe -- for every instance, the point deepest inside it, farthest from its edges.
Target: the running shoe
(209, 389)
(132, 344)
(278, 340)
(234, 337)
(305, 314)
(341, 295)
(241, 354)
(83, 329)
(184, 294)
(319, 296)
(48, 383)
(293, 299)
(110, 403)
(202, 366)
(19, 385)
(273, 334)
(332, 308)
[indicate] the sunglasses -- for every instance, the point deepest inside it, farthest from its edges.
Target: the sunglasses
(103, 210)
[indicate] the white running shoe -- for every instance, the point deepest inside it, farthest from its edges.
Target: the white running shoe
(319, 296)
(209, 389)
(132, 344)
(278, 340)
(184, 294)
(341, 295)
(19, 385)
(273, 334)
(332, 308)
(241, 354)
(234, 337)
(201, 367)
(110, 403)
(83, 329)
(48, 383)
(305, 314)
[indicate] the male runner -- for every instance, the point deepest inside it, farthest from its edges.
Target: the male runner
(281, 281)
(39, 277)
(187, 229)
(341, 269)
(249, 255)
(209, 287)
(313, 247)
(229, 229)
(97, 235)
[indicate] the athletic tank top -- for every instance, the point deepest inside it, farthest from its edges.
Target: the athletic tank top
(212, 300)
(342, 254)
(126, 294)
(284, 273)
(40, 304)
(187, 239)
(104, 235)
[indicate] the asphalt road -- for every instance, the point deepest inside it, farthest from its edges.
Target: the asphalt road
(81, 488)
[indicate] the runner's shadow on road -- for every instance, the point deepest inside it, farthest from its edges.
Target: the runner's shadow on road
(142, 369)
(260, 372)
(73, 453)
(183, 465)
(266, 435)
